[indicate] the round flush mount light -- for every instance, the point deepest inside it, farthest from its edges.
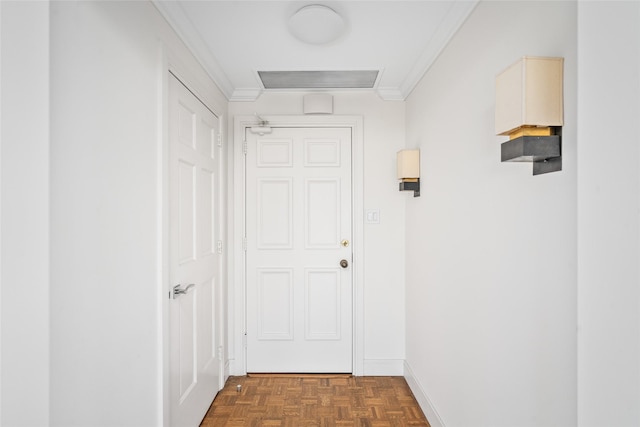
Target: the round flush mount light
(316, 24)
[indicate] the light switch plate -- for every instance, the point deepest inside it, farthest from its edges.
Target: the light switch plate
(372, 216)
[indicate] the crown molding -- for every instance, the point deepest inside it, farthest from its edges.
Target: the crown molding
(245, 95)
(456, 16)
(178, 20)
(390, 94)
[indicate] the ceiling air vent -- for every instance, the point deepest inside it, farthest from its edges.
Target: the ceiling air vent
(318, 79)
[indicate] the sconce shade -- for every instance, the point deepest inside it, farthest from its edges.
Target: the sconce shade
(408, 164)
(529, 93)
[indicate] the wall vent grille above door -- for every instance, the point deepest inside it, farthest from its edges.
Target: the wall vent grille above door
(348, 79)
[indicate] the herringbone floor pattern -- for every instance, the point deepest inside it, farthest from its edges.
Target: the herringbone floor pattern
(317, 401)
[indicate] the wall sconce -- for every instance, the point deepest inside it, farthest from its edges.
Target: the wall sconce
(409, 171)
(529, 108)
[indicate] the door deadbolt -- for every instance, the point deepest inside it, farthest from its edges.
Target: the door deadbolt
(345, 243)
(344, 263)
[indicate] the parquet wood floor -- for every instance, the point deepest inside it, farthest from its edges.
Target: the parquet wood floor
(273, 401)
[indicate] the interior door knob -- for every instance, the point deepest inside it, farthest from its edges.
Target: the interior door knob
(344, 263)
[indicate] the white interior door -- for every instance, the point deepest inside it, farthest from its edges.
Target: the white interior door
(298, 227)
(194, 262)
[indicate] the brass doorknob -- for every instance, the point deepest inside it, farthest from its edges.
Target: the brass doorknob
(344, 263)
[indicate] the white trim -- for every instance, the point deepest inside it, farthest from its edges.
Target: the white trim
(245, 95)
(226, 371)
(391, 94)
(162, 254)
(1, 145)
(425, 404)
(384, 367)
(175, 16)
(449, 26)
(237, 292)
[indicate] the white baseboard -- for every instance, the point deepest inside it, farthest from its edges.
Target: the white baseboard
(234, 368)
(424, 402)
(227, 369)
(372, 367)
(384, 367)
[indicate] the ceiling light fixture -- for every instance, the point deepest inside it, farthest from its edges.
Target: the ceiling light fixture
(316, 24)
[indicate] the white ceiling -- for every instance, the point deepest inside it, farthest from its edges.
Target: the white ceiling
(235, 39)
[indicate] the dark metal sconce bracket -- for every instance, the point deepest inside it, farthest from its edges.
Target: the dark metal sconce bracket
(411, 186)
(545, 152)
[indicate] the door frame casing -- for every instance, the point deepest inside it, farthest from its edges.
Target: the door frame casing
(237, 291)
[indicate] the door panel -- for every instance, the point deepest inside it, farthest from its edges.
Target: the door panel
(275, 304)
(299, 300)
(187, 343)
(205, 211)
(322, 213)
(185, 198)
(274, 153)
(322, 152)
(206, 322)
(322, 304)
(194, 263)
(275, 213)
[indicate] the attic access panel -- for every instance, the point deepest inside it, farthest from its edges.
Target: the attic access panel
(354, 79)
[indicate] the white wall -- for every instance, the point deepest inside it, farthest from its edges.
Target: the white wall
(24, 85)
(608, 214)
(384, 242)
(491, 249)
(108, 286)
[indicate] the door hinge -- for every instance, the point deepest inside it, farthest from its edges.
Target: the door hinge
(244, 148)
(219, 140)
(219, 246)
(244, 340)
(244, 244)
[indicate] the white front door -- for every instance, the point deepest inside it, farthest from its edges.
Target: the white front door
(298, 227)
(194, 262)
